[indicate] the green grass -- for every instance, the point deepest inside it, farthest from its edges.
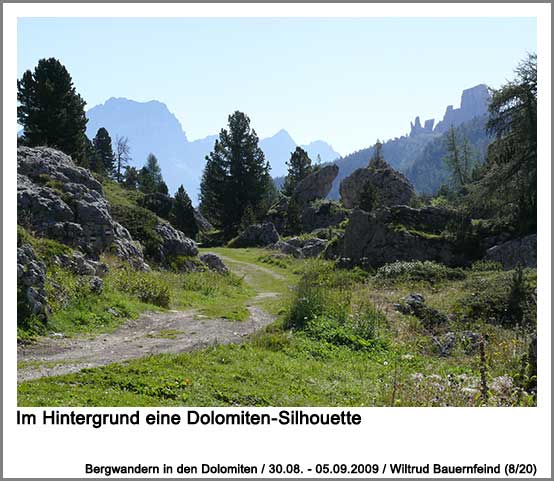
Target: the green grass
(353, 349)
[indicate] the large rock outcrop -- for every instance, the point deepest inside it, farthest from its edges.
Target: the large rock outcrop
(31, 278)
(391, 186)
(316, 185)
(374, 239)
(307, 205)
(174, 243)
(515, 252)
(256, 235)
(59, 200)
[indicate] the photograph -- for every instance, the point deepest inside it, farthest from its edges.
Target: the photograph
(277, 211)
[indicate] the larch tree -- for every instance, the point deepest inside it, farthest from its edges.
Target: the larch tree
(509, 179)
(122, 156)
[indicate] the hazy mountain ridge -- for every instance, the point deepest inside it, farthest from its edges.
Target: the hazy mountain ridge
(419, 154)
(151, 127)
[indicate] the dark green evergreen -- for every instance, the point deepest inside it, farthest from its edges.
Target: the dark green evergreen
(236, 176)
(182, 214)
(150, 178)
(50, 110)
(104, 160)
(131, 178)
(299, 167)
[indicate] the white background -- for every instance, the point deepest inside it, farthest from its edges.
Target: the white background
(387, 435)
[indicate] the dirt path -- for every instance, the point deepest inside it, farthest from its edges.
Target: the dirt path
(152, 333)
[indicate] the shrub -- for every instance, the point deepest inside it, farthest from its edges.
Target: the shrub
(419, 271)
(483, 266)
(501, 297)
(322, 308)
(148, 287)
(185, 264)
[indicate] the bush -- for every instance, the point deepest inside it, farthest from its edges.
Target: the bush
(506, 298)
(148, 287)
(419, 271)
(323, 309)
(483, 266)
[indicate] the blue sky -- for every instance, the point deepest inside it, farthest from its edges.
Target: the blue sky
(346, 81)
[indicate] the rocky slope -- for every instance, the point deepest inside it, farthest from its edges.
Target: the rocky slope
(62, 202)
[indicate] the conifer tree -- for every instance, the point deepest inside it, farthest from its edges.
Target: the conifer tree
(150, 176)
(104, 161)
(299, 167)
(236, 176)
(459, 158)
(377, 160)
(509, 177)
(182, 213)
(51, 111)
(131, 178)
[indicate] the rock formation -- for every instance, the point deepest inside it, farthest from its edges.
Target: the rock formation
(378, 238)
(316, 185)
(59, 200)
(256, 235)
(515, 252)
(417, 129)
(174, 243)
(214, 262)
(31, 278)
(391, 186)
(474, 103)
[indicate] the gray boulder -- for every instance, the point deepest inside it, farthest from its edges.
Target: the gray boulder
(392, 187)
(287, 248)
(59, 200)
(256, 235)
(174, 243)
(370, 240)
(414, 304)
(314, 247)
(80, 265)
(316, 185)
(31, 278)
(202, 223)
(214, 263)
(515, 252)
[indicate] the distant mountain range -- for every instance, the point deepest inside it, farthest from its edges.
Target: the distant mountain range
(151, 127)
(420, 154)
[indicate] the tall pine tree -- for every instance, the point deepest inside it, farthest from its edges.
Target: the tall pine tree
(104, 158)
(182, 213)
(236, 176)
(299, 167)
(50, 110)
